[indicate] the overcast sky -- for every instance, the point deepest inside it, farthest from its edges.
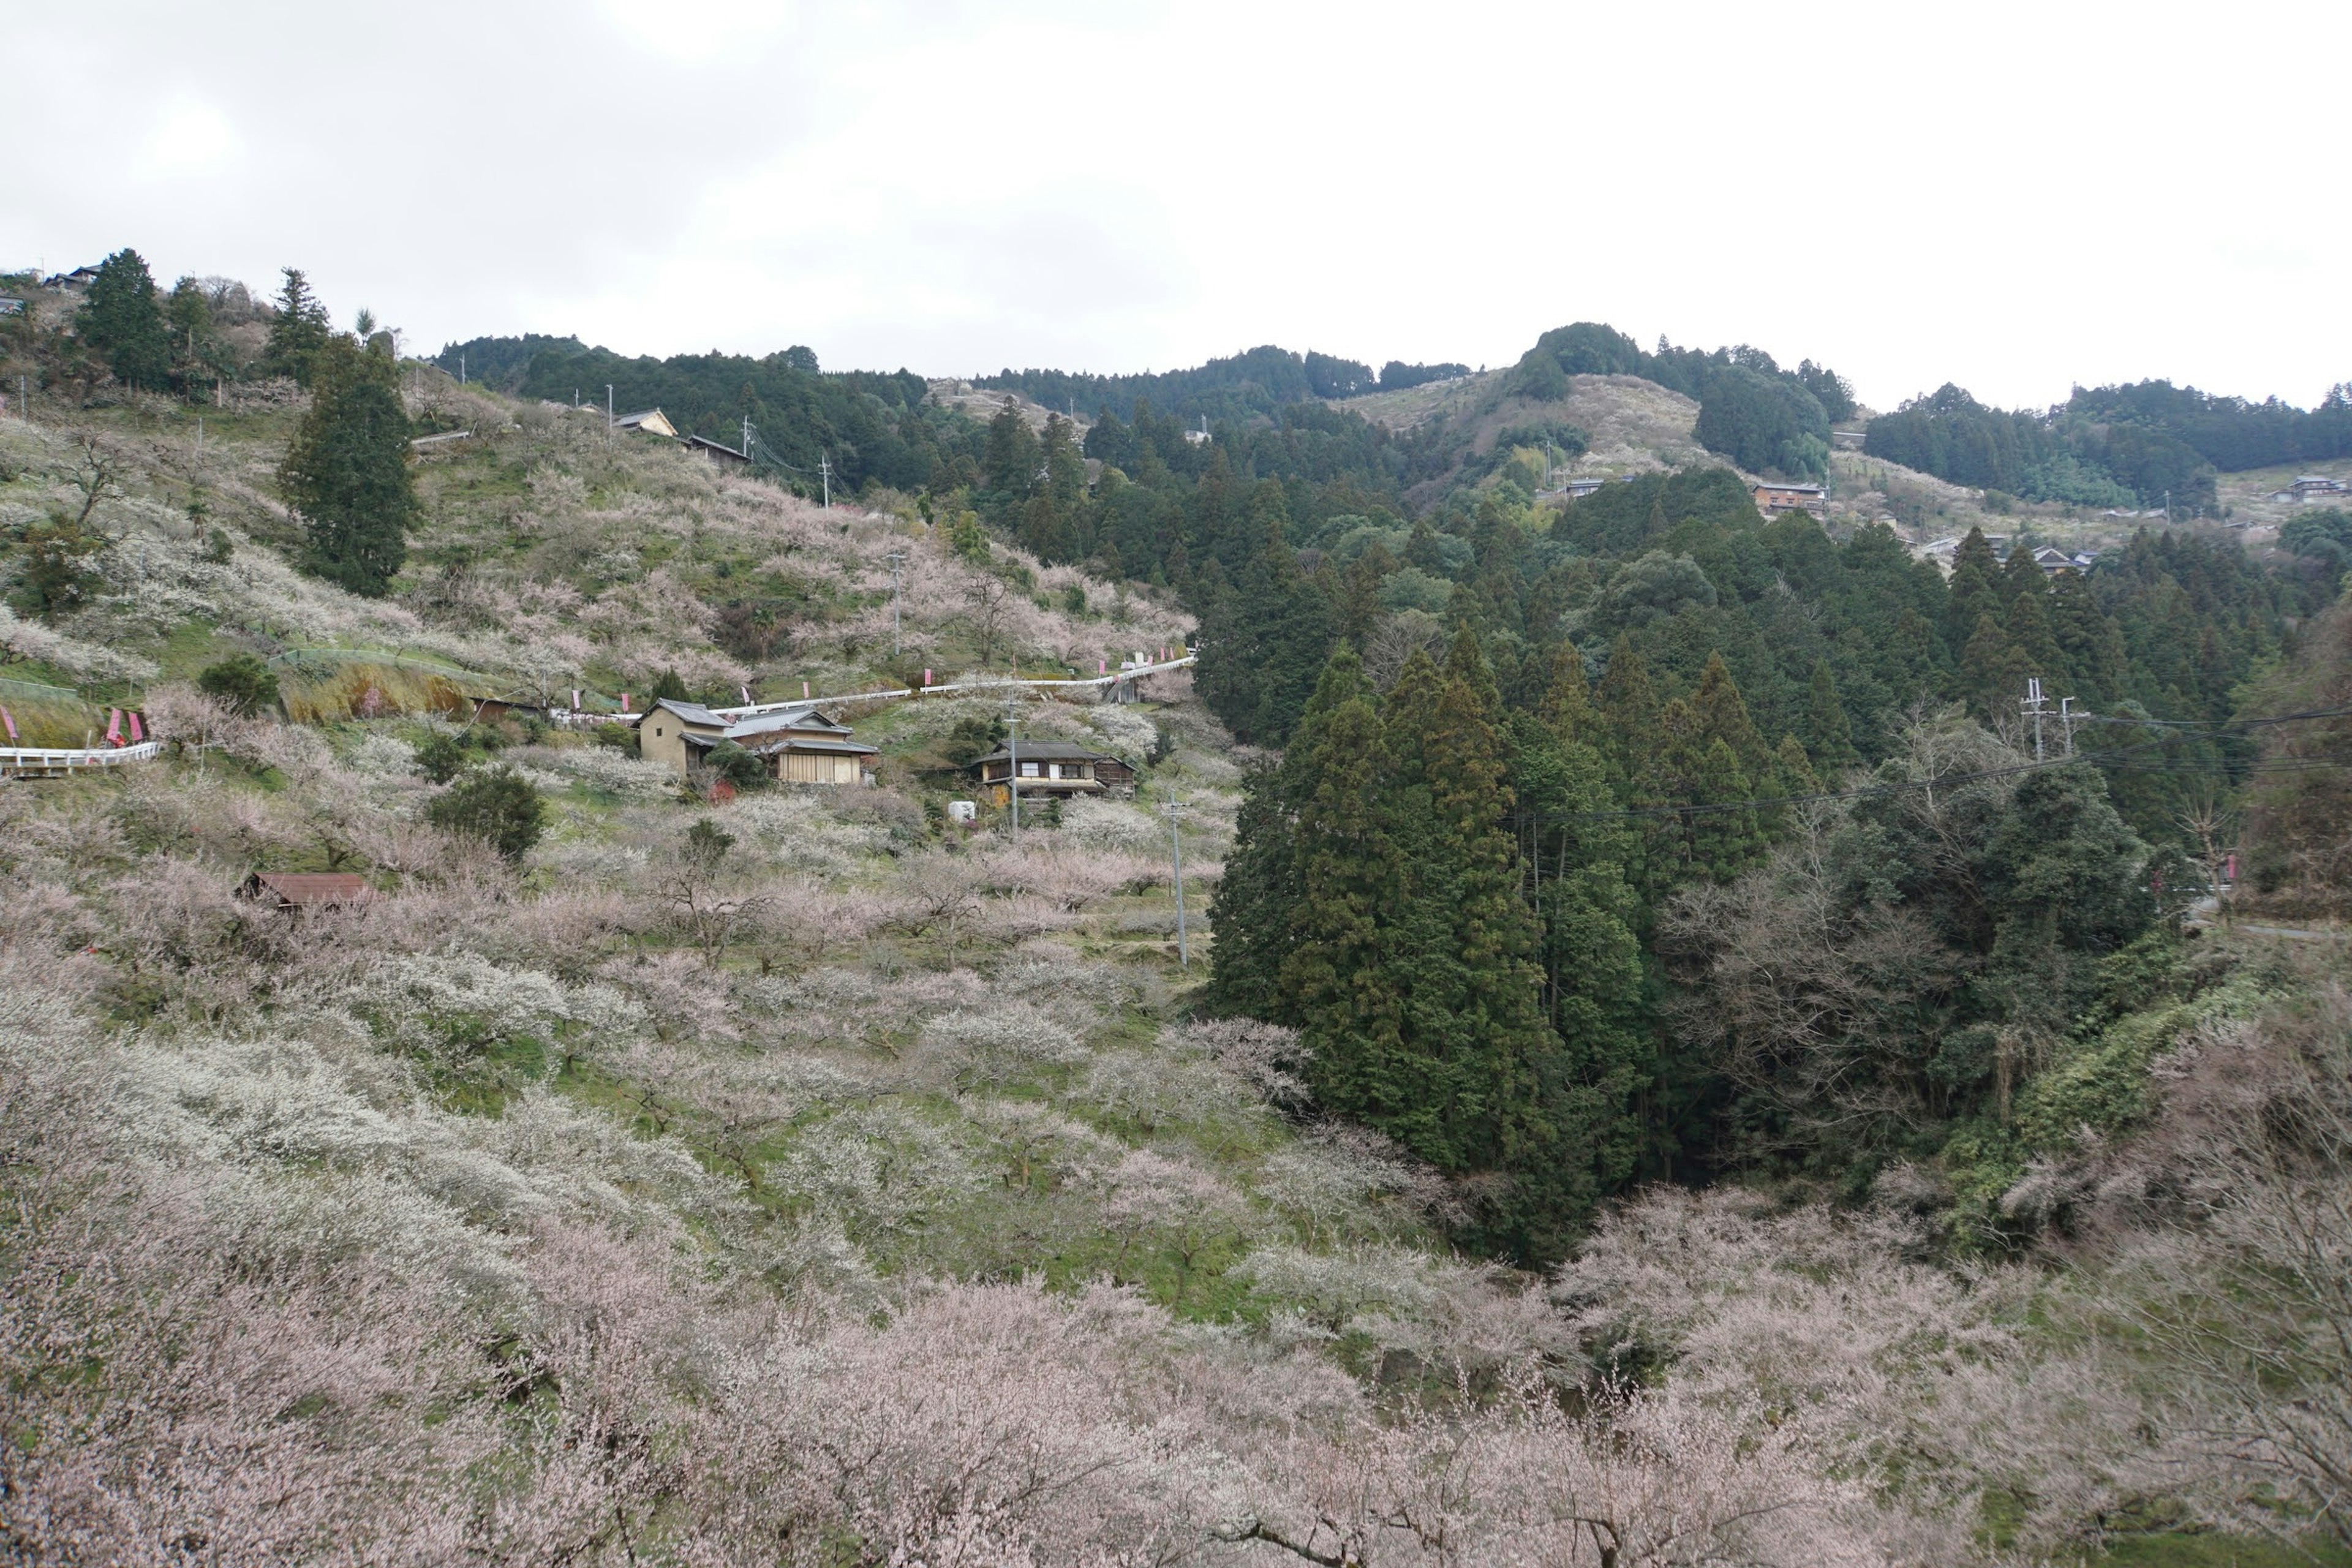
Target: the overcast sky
(2015, 197)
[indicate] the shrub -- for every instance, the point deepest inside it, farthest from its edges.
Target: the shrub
(242, 682)
(498, 805)
(441, 758)
(737, 766)
(972, 739)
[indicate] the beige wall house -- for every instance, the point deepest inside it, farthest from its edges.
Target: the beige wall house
(799, 744)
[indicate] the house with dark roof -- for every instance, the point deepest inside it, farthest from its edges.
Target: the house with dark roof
(799, 743)
(717, 451)
(1051, 768)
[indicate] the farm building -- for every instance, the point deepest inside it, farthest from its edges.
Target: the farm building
(801, 744)
(1774, 497)
(1051, 768)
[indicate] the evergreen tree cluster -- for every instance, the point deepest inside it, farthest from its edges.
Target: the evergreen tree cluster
(1379, 902)
(1457, 879)
(1257, 383)
(871, 427)
(2110, 446)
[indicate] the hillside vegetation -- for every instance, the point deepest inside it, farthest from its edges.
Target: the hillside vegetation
(1654, 1070)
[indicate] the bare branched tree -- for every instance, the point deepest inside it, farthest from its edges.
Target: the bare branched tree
(704, 910)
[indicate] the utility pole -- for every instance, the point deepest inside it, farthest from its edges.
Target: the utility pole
(825, 474)
(2067, 716)
(897, 558)
(747, 437)
(608, 413)
(461, 370)
(2032, 706)
(1176, 874)
(1013, 758)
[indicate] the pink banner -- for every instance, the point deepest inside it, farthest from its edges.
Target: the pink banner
(136, 736)
(10, 719)
(114, 726)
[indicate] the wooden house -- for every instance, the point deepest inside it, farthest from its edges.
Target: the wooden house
(651, 420)
(1774, 496)
(1051, 768)
(801, 744)
(717, 451)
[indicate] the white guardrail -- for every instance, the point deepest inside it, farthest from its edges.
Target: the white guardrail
(999, 683)
(40, 760)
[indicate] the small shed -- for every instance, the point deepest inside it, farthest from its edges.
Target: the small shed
(296, 891)
(1052, 768)
(717, 451)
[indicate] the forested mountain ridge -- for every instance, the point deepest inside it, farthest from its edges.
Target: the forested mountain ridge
(1667, 1074)
(2146, 444)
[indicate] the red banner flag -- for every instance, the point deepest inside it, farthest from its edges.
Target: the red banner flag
(114, 726)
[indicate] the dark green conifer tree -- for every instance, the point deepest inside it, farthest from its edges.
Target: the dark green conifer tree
(1973, 591)
(1257, 903)
(299, 332)
(1723, 716)
(1986, 679)
(1567, 707)
(121, 320)
(1630, 705)
(1831, 738)
(347, 470)
(1262, 646)
(1012, 458)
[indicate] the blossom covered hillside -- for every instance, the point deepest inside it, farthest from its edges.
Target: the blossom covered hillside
(630, 1171)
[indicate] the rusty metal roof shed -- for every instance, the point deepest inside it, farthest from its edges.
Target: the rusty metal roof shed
(308, 889)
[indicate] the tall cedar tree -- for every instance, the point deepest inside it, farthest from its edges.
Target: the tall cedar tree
(1258, 903)
(1416, 977)
(298, 333)
(1261, 644)
(1828, 736)
(121, 320)
(347, 471)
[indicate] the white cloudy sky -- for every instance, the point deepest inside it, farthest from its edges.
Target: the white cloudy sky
(2015, 196)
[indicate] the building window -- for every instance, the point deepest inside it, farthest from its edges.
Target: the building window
(1029, 771)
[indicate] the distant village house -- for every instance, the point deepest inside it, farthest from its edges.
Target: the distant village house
(1774, 497)
(1054, 768)
(2311, 489)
